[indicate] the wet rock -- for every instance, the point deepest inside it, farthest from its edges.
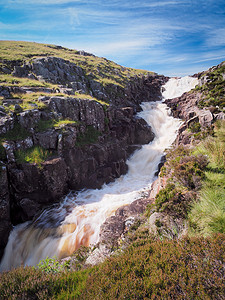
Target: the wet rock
(29, 208)
(185, 107)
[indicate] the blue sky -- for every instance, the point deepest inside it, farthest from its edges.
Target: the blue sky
(173, 38)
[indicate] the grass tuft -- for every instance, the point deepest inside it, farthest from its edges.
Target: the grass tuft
(35, 155)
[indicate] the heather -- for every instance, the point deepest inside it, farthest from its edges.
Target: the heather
(191, 268)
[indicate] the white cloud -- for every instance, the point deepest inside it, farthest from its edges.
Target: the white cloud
(216, 37)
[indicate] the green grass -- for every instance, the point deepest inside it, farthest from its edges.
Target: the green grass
(208, 213)
(44, 125)
(35, 155)
(9, 80)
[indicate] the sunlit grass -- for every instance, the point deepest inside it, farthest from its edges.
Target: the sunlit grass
(35, 155)
(9, 80)
(208, 213)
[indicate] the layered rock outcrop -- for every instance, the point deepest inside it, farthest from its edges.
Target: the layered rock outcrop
(86, 142)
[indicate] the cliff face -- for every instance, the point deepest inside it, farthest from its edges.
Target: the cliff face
(63, 127)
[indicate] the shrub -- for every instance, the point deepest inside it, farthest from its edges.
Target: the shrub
(89, 137)
(172, 201)
(31, 283)
(16, 134)
(34, 155)
(185, 168)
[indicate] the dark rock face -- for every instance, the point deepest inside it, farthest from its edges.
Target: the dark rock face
(5, 222)
(73, 78)
(32, 187)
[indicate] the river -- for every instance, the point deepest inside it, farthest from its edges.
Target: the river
(59, 231)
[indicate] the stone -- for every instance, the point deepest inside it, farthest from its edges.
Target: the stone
(29, 207)
(47, 139)
(28, 119)
(17, 108)
(167, 226)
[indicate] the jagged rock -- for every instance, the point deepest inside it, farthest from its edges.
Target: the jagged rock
(88, 112)
(24, 144)
(185, 107)
(10, 152)
(4, 91)
(29, 208)
(98, 255)
(17, 108)
(113, 228)
(2, 108)
(28, 119)
(47, 139)
(205, 117)
(6, 124)
(220, 116)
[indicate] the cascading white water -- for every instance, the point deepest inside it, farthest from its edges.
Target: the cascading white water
(60, 231)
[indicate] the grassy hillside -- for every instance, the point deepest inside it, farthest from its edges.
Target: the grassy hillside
(213, 87)
(99, 68)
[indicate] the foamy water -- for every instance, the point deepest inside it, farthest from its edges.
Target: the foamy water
(60, 231)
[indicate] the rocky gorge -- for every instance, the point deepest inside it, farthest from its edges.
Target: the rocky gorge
(83, 120)
(85, 131)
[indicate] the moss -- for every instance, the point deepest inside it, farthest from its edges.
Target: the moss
(10, 80)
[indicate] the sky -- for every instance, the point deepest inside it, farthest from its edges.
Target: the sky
(169, 37)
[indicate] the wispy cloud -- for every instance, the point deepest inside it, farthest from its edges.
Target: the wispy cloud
(216, 37)
(158, 35)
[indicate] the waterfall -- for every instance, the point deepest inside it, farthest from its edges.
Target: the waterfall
(61, 230)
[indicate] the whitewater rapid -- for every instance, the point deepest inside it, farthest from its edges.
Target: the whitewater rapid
(60, 231)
